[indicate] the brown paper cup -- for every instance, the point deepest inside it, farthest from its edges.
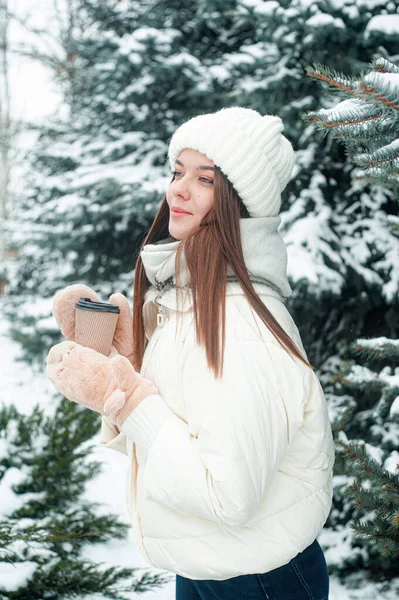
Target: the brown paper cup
(95, 324)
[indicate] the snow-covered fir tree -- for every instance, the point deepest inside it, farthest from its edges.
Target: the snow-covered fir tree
(367, 124)
(368, 438)
(45, 525)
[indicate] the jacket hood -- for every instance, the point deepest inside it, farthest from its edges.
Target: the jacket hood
(264, 251)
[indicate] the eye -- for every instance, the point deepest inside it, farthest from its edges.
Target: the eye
(176, 173)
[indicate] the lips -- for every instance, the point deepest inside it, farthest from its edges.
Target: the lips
(180, 212)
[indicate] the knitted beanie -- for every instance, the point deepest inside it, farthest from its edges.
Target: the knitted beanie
(250, 150)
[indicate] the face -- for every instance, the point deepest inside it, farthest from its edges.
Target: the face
(191, 190)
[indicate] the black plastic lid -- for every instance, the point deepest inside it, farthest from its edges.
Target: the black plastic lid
(87, 304)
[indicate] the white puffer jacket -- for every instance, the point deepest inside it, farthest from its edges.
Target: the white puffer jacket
(226, 477)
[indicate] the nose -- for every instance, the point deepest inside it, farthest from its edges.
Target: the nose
(180, 187)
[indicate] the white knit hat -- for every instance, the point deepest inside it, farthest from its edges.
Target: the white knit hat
(250, 150)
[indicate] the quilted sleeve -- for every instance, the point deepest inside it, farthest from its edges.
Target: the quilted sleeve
(244, 424)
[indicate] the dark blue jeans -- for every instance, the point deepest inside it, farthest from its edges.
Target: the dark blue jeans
(305, 577)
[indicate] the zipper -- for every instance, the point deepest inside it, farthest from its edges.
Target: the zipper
(160, 285)
(161, 318)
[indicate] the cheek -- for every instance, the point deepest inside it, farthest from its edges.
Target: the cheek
(207, 202)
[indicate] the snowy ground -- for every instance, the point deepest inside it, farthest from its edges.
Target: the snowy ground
(20, 385)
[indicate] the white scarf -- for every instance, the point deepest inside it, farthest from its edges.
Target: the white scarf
(264, 251)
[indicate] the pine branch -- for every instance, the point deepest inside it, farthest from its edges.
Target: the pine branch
(387, 156)
(366, 122)
(339, 424)
(381, 500)
(382, 65)
(72, 579)
(335, 80)
(372, 349)
(381, 89)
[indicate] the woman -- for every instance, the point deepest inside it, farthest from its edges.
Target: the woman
(223, 419)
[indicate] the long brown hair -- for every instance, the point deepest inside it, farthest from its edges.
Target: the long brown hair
(215, 243)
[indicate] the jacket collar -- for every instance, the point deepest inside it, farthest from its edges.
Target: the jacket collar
(264, 251)
(265, 256)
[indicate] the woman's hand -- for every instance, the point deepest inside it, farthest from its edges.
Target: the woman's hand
(64, 312)
(109, 386)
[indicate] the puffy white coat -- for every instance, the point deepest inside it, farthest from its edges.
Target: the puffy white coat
(226, 477)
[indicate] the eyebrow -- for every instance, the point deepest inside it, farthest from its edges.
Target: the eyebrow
(200, 168)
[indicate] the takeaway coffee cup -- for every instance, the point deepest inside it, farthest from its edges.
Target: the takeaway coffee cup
(95, 324)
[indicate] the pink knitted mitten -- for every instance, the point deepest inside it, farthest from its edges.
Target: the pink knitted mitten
(109, 386)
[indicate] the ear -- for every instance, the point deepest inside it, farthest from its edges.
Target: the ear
(64, 306)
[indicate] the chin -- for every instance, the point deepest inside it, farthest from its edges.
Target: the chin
(177, 236)
(177, 232)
